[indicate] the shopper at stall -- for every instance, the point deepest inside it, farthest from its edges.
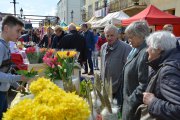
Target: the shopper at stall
(135, 71)
(164, 58)
(113, 57)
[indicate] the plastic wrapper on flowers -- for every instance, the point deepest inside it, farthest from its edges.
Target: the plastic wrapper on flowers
(49, 103)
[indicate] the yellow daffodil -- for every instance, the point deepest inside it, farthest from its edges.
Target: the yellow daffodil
(49, 103)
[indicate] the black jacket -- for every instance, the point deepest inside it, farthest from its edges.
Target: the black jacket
(74, 40)
(57, 40)
(166, 105)
(44, 41)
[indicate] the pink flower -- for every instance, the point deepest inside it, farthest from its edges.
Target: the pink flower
(53, 66)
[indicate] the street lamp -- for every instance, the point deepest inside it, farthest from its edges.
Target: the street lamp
(21, 12)
(72, 16)
(105, 5)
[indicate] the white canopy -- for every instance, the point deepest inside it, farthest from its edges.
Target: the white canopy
(93, 19)
(111, 18)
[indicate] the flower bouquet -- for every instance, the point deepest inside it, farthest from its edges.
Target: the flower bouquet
(35, 55)
(52, 63)
(49, 103)
(60, 67)
(65, 68)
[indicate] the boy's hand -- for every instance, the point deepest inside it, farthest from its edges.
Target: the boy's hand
(21, 88)
(24, 78)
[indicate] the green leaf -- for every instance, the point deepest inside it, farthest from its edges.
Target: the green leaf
(26, 73)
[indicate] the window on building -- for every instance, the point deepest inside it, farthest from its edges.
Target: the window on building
(96, 5)
(84, 2)
(90, 11)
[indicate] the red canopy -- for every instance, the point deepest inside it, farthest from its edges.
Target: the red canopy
(153, 16)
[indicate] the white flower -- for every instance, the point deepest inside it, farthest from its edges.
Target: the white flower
(60, 66)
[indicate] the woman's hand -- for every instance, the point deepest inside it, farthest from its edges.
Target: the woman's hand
(148, 97)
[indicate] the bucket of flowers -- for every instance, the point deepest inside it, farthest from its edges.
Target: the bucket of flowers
(35, 55)
(32, 55)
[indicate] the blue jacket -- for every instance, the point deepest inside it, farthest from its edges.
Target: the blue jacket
(90, 43)
(166, 105)
(6, 79)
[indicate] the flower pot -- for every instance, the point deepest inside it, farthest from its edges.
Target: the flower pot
(76, 83)
(59, 83)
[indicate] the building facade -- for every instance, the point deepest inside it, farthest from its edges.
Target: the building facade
(97, 8)
(169, 6)
(100, 8)
(89, 8)
(80, 11)
(70, 11)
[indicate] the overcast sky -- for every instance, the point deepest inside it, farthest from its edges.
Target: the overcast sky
(30, 7)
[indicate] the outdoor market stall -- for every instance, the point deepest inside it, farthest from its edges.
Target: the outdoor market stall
(155, 17)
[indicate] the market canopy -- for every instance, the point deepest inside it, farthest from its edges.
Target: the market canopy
(153, 16)
(113, 18)
(63, 24)
(94, 19)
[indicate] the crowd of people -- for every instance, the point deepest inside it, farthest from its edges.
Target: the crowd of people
(144, 67)
(87, 42)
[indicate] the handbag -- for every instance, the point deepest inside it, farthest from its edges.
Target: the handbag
(142, 110)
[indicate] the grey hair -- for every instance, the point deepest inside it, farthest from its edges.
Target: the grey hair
(111, 27)
(71, 27)
(138, 28)
(162, 39)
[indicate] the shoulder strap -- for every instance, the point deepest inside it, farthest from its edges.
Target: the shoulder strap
(5, 63)
(153, 80)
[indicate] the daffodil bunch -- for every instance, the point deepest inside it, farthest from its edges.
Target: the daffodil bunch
(50, 103)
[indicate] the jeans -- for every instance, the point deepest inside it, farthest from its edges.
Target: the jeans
(95, 59)
(3, 103)
(89, 59)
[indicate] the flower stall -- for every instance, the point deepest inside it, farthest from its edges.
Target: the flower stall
(49, 102)
(57, 93)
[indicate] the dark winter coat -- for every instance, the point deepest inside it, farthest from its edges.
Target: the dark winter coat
(74, 40)
(90, 42)
(44, 41)
(166, 105)
(135, 82)
(57, 40)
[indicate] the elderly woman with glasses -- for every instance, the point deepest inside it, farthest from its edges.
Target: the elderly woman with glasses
(135, 70)
(164, 57)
